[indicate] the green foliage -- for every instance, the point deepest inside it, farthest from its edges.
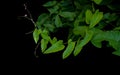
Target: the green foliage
(44, 43)
(58, 46)
(42, 19)
(36, 34)
(80, 30)
(97, 1)
(84, 22)
(68, 15)
(113, 37)
(83, 42)
(50, 4)
(69, 49)
(88, 15)
(58, 22)
(97, 16)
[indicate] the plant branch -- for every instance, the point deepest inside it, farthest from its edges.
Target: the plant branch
(29, 32)
(35, 52)
(29, 18)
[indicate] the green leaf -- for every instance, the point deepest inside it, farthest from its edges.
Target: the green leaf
(81, 17)
(76, 22)
(116, 53)
(44, 44)
(97, 39)
(77, 4)
(101, 25)
(97, 16)
(53, 41)
(118, 22)
(68, 15)
(53, 9)
(113, 37)
(68, 50)
(117, 28)
(69, 41)
(45, 35)
(106, 16)
(97, 1)
(50, 27)
(106, 2)
(113, 17)
(80, 30)
(116, 46)
(58, 21)
(58, 46)
(41, 19)
(50, 3)
(36, 34)
(88, 15)
(83, 42)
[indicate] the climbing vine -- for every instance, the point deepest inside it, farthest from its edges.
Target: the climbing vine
(85, 22)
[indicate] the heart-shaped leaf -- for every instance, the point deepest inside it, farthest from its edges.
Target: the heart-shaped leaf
(36, 34)
(88, 15)
(83, 42)
(58, 46)
(68, 50)
(44, 44)
(96, 18)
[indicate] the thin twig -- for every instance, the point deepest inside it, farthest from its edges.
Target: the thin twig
(28, 11)
(25, 17)
(29, 18)
(35, 52)
(29, 32)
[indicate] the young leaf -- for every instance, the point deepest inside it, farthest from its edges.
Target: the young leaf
(97, 1)
(50, 3)
(69, 41)
(58, 46)
(53, 41)
(44, 44)
(58, 21)
(88, 15)
(83, 42)
(68, 50)
(36, 34)
(97, 16)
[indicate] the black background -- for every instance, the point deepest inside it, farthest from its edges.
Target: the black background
(24, 44)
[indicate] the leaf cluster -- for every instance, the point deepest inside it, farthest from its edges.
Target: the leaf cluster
(85, 24)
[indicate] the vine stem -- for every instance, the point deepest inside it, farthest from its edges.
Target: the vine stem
(35, 52)
(31, 19)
